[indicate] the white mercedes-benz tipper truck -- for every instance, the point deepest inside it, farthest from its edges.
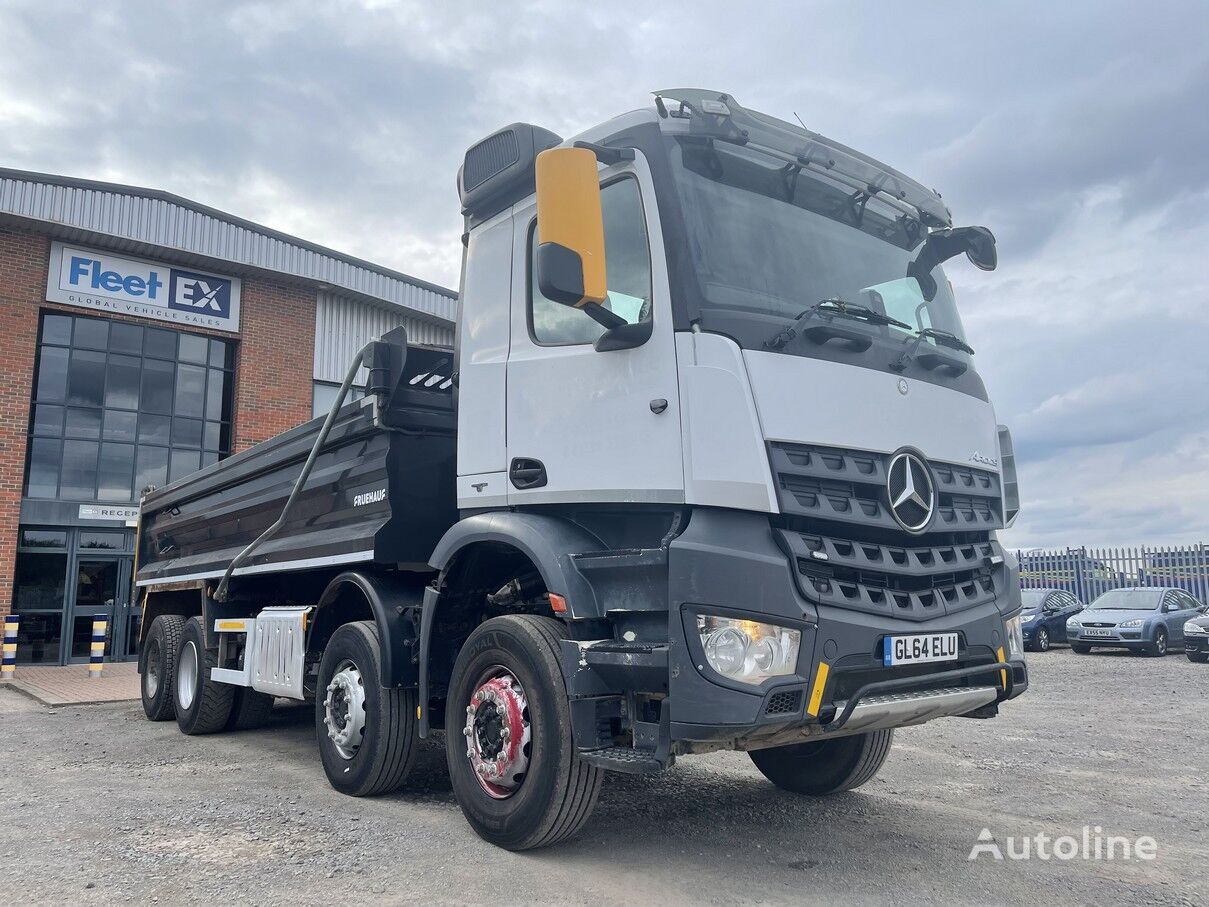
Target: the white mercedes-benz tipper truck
(710, 466)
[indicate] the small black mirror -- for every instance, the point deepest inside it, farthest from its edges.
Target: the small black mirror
(624, 337)
(560, 274)
(980, 247)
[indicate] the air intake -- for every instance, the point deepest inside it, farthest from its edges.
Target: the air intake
(499, 170)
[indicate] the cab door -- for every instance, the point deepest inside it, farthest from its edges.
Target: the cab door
(583, 425)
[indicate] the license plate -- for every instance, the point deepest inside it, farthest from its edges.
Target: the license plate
(901, 650)
(1096, 631)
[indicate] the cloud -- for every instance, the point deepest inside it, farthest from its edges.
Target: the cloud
(1074, 130)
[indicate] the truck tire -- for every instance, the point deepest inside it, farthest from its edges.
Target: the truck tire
(157, 667)
(509, 742)
(825, 766)
(202, 706)
(250, 709)
(367, 732)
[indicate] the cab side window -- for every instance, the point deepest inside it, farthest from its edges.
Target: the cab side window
(628, 263)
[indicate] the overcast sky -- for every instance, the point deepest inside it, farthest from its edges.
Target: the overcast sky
(1079, 132)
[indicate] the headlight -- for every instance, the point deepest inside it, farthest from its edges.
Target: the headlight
(748, 651)
(1027, 618)
(1129, 624)
(1072, 624)
(1195, 629)
(1015, 634)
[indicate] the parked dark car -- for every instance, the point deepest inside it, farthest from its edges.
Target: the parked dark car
(1147, 620)
(1196, 637)
(1044, 617)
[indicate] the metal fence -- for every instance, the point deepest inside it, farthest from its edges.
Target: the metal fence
(1088, 572)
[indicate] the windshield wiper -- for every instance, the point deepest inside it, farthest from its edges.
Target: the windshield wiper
(946, 338)
(835, 308)
(933, 360)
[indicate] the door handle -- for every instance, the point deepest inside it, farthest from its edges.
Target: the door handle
(526, 473)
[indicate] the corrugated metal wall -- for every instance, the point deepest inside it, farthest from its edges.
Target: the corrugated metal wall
(139, 216)
(343, 326)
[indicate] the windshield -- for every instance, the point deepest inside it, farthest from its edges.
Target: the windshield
(1032, 598)
(1128, 600)
(769, 239)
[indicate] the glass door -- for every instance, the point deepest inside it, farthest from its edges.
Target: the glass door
(101, 589)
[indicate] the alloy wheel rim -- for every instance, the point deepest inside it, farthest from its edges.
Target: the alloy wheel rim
(186, 675)
(151, 676)
(344, 709)
(1043, 640)
(498, 732)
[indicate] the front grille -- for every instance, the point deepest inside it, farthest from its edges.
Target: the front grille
(849, 486)
(849, 551)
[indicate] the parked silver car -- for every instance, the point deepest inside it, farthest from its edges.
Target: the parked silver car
(1147, 620)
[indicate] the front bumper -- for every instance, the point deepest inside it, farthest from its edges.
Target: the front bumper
(728, 563)
(1124, 639)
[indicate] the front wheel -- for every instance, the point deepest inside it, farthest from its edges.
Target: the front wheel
(825, 766)
(1158, 648)
(1079, 648)
(1198, 657)
(1042, 640)
(510, 746)
(367, 732)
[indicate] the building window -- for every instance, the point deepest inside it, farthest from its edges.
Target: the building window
(324, 395)
(119, 407)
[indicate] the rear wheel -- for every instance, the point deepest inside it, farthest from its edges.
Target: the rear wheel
(509, 742)
(367, 732)
(157, 667)
(250, 709)
(1079, 648)
(1158, 648)
(202, 706)
(825, 766)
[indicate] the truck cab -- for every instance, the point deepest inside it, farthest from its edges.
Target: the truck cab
(726, 478)
(787, 403)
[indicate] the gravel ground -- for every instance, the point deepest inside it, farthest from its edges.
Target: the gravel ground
(100, 805)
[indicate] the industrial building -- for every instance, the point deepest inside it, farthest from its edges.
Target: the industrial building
(146, 336)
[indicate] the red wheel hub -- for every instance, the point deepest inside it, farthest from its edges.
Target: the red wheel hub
(497, 732)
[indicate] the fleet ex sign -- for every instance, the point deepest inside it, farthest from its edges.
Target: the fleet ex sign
(132, 286)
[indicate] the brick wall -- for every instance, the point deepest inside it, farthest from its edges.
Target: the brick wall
(24, 258)
(272, 373)
(276, 360)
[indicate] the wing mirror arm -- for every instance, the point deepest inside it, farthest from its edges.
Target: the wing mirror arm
(978, 243)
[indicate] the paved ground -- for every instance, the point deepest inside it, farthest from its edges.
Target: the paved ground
(72, 684)
(100, 805)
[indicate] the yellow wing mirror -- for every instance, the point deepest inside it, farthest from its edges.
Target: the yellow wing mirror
(570, 228)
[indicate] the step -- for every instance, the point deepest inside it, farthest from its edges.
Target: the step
(623, 759)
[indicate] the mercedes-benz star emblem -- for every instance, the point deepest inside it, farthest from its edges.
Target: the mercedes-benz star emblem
(911, 493)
